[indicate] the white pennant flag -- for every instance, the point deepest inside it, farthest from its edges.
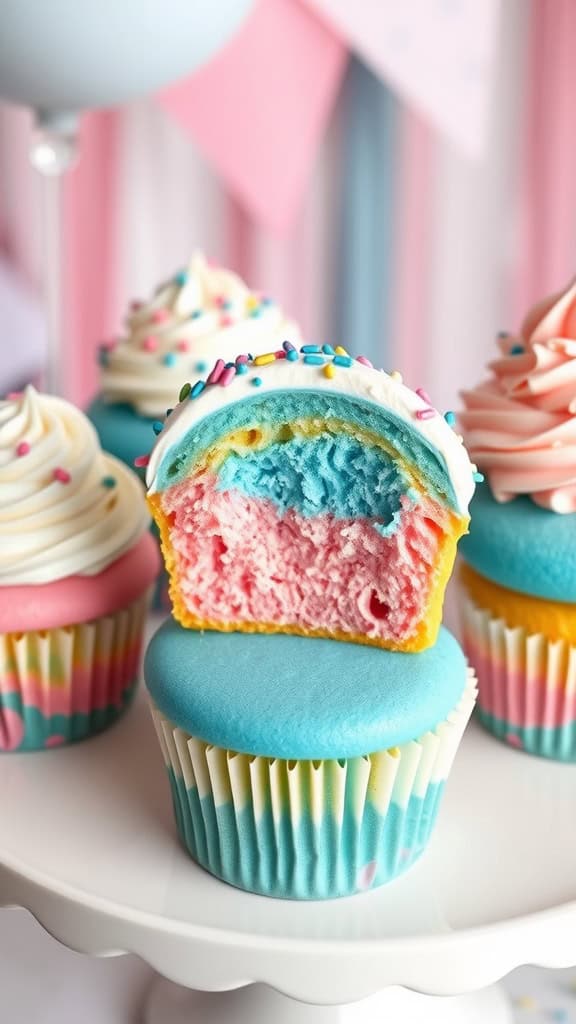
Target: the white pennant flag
(437, 54)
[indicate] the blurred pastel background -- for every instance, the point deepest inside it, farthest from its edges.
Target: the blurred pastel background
(398, 176)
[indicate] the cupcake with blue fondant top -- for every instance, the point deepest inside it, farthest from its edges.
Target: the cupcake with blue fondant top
(305, 499)
(305, 768)
(519, 575)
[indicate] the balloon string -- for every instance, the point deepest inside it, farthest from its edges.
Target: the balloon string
(54, 377)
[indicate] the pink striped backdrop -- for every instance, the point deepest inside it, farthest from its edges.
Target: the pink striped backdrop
(547, 249)
(143, 196)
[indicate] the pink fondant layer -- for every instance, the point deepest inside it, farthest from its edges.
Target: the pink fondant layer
(515, 697)
(238, 560)
(79, 599)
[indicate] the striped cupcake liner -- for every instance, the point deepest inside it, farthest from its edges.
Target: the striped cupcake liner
(309, 829)
(526, 684)
(59, 686)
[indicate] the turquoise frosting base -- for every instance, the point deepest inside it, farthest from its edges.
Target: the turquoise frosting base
(558, 744)
(40, 729)
(300, 697)
(310, 862)
(122, 431)
(285, 407)
(522, 546)
(126, 434)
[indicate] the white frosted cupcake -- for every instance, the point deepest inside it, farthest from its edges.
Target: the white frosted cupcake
(77, 562)
(201, 312)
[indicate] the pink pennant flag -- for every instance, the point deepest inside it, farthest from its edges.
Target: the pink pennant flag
(258, 110)
(437, 54)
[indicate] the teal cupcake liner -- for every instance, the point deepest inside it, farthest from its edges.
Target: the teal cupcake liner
(309, 830)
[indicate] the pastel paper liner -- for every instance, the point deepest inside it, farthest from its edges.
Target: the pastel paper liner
(309, 829)
(59, 686)
(526, 684)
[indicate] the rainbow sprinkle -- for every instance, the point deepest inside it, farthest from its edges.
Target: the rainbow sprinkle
(157, 427)
(108, 481)
(62, 475)
(23, 448)
(216, 372)
(226, 377)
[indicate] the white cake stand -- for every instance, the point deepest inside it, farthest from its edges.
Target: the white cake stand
(88, 845)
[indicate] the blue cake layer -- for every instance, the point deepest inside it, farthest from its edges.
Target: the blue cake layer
(327, 474)
(522, 546)
(286, 406)
(297, 697)
(122, 431)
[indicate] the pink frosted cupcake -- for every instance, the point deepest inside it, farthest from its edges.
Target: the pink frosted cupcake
(76, 565)
(519, 572)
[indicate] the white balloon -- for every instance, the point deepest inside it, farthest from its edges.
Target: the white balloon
(67, 55)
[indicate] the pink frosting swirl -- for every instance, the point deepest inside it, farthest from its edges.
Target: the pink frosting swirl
(520, 424)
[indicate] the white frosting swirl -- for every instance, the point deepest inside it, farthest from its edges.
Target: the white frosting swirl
(202, 313)
(66, 508)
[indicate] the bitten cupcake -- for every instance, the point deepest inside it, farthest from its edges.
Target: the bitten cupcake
(76, 565)
(305, 492)
(310, 508)
(519, 576)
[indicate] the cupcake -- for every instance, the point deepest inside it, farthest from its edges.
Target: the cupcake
(76, 566)
(306, 492)
(519, 572)
(305, 768)
(307, 702)
(200, 311)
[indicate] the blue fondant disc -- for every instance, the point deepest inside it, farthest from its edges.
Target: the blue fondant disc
(297, 697)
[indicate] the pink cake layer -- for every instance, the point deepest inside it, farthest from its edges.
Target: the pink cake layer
(79, 599)
(513, 698)
(238, 560)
